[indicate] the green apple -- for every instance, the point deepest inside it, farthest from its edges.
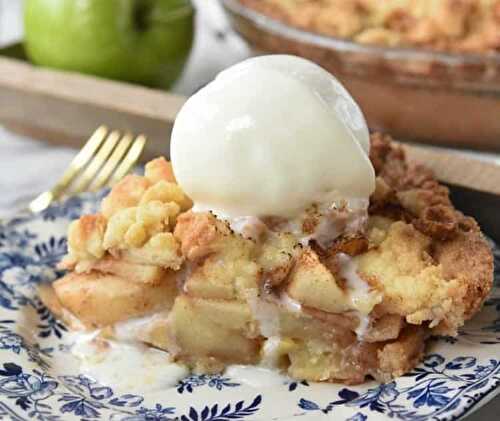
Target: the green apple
(140, 41)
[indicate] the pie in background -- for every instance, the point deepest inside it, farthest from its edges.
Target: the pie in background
(445, 25)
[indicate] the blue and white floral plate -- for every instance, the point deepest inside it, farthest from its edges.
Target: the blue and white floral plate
(37, 382)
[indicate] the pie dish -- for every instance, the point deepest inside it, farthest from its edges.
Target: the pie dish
(447, 25)
(437, 93)
(146, 268)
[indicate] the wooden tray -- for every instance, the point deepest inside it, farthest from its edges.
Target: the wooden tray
(64, 108)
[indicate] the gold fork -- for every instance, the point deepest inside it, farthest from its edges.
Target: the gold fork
(104, 160)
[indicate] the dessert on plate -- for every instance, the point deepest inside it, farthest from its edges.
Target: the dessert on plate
(446, 25)
(281, 235)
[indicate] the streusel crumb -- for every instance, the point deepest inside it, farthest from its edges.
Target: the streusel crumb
(135, 224)
(450, 25)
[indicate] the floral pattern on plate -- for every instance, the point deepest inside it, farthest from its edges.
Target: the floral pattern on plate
(40, 380)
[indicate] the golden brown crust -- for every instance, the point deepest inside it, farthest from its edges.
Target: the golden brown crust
(85, 237)
(446, 25)
(135, 224)
(468, 258)
(412, 193)
(125, 194)
(200, 234)
(457, 244)
(159, 169)
(400, 356)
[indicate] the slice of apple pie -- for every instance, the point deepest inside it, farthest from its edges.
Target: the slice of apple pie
(337, 295)
(310, 247)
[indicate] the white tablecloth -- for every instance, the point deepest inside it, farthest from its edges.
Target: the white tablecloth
(28, 167)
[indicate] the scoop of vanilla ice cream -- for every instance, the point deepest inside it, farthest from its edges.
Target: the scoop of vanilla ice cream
(269, 137)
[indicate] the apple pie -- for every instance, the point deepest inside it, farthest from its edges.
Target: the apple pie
(338, 295)
(445, 25)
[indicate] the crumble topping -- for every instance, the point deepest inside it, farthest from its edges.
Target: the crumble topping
(135, 224)
(447, 25)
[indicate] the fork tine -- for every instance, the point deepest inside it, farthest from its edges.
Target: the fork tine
(113, 162)
(80, 160)
(129, 160)
(97, 162)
